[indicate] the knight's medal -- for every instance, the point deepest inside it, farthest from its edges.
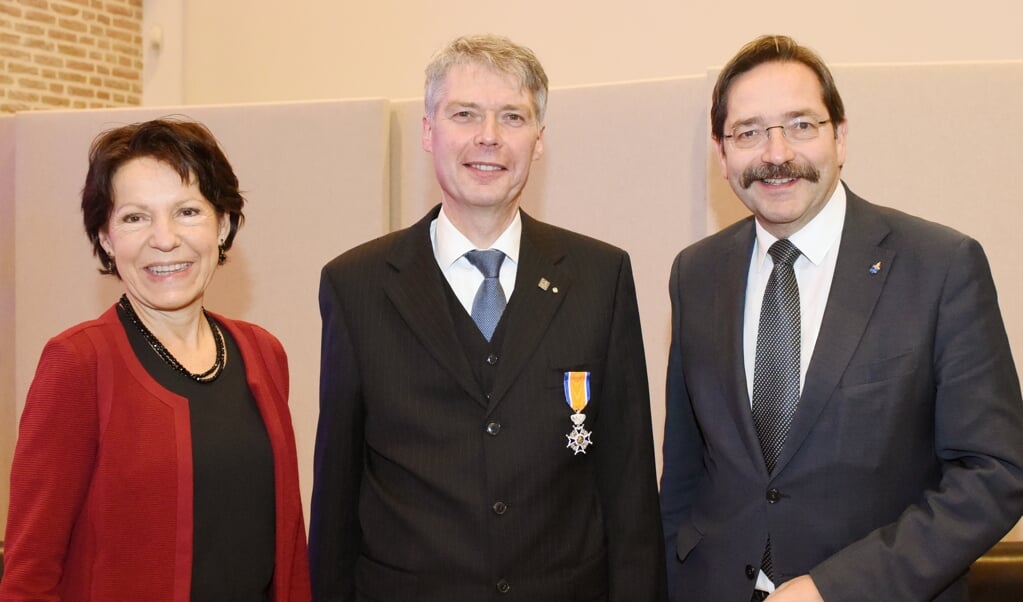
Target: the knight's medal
(577, 395)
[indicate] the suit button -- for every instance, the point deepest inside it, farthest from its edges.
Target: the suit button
(500, 508)
(773, 496)
(492, 359)
(751, 571)
(503, 587)
(493, 428)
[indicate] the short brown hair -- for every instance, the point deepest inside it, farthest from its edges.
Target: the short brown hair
(187, 146)
(766, 49)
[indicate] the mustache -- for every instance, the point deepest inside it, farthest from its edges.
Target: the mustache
(804, 171)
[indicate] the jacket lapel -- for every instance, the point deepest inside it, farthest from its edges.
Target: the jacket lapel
(729, 307)
(416, 289)
(854, 293)
(533, 307)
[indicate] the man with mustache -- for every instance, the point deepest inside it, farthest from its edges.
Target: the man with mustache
(844, 419)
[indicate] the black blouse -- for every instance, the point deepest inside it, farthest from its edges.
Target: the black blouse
(233, 504)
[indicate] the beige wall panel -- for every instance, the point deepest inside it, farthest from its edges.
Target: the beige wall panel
(414, 188)
(315, 178)
(623, 163)
(8, 422)
(627, 163)
(942, 142)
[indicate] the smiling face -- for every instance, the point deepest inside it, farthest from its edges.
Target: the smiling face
(785, 183)
(163, 235)
(484, 137)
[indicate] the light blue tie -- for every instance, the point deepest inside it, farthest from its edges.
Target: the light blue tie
(488, 305)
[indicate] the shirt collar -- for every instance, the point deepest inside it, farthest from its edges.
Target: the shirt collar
(451, 245)
(816, 238)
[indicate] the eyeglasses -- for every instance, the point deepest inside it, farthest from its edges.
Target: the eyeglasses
(799, 130)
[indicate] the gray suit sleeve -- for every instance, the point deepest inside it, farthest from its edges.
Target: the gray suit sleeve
(978, 415)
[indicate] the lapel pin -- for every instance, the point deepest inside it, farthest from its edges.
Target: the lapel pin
(554, 290)
(875, 268)
(544, 284)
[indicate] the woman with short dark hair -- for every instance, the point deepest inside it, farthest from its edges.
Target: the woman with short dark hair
(156, 457)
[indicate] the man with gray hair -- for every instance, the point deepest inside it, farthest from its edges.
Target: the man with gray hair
(484, 428)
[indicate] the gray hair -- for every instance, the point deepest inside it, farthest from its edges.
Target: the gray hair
(493, 51)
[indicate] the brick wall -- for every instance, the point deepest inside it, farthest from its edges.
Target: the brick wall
(70, 54)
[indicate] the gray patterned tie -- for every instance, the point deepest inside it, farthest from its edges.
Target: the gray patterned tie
(488, 305)
(776, 371)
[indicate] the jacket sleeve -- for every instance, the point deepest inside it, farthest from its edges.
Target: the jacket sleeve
(335, 536)
(682, 445)
(51, 471)
(978, 441)
(627, 480)
(291, 568)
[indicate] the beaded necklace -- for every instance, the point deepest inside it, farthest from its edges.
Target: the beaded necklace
(218, 338)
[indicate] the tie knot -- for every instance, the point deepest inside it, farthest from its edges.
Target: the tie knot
(488, 262)
(784, 252)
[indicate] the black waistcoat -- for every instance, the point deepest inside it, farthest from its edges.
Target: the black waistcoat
(483, 356)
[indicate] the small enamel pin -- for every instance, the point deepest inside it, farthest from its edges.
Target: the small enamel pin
(545, 284)
(875, 268)
(577, 395)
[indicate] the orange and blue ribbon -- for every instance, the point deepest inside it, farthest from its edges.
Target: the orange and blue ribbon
(577, 390)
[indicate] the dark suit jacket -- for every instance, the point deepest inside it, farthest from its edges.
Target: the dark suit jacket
(904, 461)
(412, 457)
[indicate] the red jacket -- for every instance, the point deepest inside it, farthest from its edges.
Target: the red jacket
(101, 483)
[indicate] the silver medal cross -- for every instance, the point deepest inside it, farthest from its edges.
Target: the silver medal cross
(579, 438)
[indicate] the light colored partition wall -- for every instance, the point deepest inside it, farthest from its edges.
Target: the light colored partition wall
(414, 188)
(628, 163)
(941, 142)
(8, 423)
(314, 175)
(623, 163)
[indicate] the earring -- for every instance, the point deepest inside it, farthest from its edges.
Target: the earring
(221, 255)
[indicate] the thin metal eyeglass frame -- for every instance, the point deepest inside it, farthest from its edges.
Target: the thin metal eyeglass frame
(767, 135)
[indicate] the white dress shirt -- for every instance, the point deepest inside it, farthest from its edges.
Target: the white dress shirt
(450, 247)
